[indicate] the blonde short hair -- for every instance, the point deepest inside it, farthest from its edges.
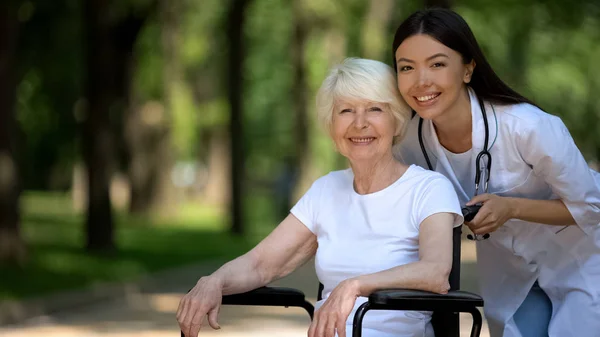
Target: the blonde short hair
(362, 79)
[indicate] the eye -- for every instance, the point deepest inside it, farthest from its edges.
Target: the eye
(405, 68)
(438, 65)
(375, 108)
(345, 110)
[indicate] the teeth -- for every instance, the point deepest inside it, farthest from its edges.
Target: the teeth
(361, 140)
(426, 98)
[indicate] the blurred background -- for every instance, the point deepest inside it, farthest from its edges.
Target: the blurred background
(142, 135)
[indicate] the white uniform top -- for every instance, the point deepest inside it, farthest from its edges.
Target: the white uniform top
(535, 157)
(363, 234)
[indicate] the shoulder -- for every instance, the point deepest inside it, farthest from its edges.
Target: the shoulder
(531, 126)
(326, 187)
(433, 193)
(334, 179)
(525, 116)
(427, 179)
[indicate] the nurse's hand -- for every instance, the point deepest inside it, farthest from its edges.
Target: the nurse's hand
(495, 212)
(334, 313)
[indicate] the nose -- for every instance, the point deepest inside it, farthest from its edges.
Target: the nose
(360, 119)
(424, 78)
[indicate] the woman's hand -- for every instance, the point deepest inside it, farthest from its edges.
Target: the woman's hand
(495, 212)
(334, 313)
(203, 300)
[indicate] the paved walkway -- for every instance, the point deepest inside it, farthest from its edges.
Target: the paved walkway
(151, 312)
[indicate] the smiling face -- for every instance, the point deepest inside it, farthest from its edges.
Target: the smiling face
(432, 77)
(363, 130)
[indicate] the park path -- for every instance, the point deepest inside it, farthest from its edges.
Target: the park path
(151, 312)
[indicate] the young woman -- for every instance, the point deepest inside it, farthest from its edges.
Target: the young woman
(538, 221)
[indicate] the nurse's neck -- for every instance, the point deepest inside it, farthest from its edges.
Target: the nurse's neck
(454, 126)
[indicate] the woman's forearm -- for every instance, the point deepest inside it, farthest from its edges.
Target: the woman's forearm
(289, 246)
(549, 212)
(421, 275)
(240, 275)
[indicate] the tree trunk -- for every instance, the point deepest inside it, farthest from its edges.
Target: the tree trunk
(12, 248)
(109, 68)
(171, 10)
(98, 151)
(297, 167)
(140, 122)
(147, 127)
(235, 69)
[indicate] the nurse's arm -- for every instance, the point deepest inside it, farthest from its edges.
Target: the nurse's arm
(430, 273)
(500, 209)
(548, 212)
(547, 146)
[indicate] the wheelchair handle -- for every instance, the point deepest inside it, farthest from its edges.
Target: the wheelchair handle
(469, 212)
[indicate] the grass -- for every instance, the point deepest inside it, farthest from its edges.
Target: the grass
(57, 261)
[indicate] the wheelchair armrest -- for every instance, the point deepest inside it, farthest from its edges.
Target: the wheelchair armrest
(406, 299)
(268, 296)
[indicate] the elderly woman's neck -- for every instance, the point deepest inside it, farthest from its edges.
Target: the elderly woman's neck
(373, 176)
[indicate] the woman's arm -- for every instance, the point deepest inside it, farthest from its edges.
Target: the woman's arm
(430, 273)
(549, 212)
(497, 210)
(289, 246)
(549, 149)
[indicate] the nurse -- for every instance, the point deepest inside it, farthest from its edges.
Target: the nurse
(538, 221)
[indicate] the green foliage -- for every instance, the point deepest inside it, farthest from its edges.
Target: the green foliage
(551, 62)
(58, 261)
(148, 76)
(185, 120)
(269, 114)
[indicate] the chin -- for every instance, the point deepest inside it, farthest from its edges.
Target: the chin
(365, 158)
(433, 112)
(428, 114)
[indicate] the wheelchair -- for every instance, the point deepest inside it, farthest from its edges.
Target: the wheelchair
(445, 307)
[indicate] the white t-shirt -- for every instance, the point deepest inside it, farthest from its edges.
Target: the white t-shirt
(363, 234)
(461, 165)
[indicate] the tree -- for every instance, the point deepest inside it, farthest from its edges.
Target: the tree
(12, 248)
(109, 41)
(147, 128)
(235, 68)
(298, 159)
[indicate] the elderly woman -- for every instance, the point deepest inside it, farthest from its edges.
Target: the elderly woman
(379, 224)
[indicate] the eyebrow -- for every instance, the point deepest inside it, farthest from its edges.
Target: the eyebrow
(402, 59)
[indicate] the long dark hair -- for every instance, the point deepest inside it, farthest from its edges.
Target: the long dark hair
(451, 30)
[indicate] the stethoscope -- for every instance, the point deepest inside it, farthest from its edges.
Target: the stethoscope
(469, 212)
